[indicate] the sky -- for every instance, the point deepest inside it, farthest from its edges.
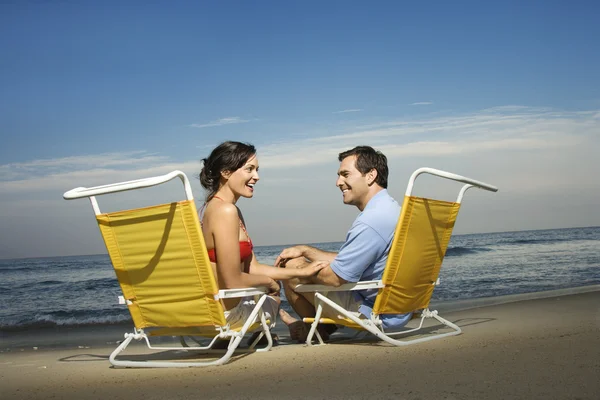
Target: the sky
(505, 92)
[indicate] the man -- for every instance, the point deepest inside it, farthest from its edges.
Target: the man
(362, 178)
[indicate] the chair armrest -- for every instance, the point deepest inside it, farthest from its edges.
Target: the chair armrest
(363, 285)
(80, 192)
(241, 292)
(447, 175)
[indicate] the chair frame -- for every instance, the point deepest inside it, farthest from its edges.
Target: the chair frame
(374, 324)
(221, 332)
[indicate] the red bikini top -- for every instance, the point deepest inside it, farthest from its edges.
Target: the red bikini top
(246, 247)
(245, 251)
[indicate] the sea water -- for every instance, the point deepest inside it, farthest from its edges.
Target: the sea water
(83, 290)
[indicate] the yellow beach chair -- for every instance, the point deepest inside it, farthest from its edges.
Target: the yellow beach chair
(411, 273)
(162, 266)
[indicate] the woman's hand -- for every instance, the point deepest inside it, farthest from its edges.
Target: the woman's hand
(273, 289)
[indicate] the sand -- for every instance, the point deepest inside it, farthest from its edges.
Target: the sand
(542, 348)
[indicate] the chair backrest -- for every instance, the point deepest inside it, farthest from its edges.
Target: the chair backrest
(162, 265)
(420, 241)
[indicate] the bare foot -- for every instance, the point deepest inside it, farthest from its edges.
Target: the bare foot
(298, 329)
(286, 318)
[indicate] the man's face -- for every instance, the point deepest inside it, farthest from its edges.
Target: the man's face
(352, 183)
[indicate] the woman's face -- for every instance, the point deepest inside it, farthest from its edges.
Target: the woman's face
(242, 181)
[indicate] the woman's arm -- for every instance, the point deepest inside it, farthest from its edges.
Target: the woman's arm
(307, 270)
(226, 238)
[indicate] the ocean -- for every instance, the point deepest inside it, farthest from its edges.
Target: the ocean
(83, 290)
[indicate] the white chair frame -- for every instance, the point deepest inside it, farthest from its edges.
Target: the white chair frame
(374, 324)
(223, 332)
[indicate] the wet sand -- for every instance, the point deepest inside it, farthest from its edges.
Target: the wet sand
(542, 348)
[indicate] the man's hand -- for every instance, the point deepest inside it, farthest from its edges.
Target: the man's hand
(312, 269)
(286, 254)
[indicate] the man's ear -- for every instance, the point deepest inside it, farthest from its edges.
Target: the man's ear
(371, 176)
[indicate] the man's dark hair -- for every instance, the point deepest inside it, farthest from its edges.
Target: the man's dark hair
(367, 158)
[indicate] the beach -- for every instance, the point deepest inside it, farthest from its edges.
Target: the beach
(535, 348)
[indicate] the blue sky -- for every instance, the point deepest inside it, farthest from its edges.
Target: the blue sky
(505, 91)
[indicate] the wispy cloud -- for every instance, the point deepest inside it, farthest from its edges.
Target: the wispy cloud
(220, 122)
(47, 167)
(422, 103)
(97, 169)
(350, 110)
(525, 129)
(501, 130)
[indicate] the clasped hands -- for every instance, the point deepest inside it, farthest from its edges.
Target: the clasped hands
(293, 257)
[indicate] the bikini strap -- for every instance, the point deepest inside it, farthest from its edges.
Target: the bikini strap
(202, 209)
(241, 223)
(201, 213)
(245, 231)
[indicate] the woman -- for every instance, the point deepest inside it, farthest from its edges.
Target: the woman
(231, 172)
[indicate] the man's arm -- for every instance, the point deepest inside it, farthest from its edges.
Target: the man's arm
(326, 276)
(308, 252)
(361, 249)
(314, 254)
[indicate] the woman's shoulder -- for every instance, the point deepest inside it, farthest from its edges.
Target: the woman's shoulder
(221, 210)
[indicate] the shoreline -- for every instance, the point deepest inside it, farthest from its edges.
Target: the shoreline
(466, 304)
(535, 348)
(87, 336)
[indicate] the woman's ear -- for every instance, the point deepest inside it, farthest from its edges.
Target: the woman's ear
(225, 174)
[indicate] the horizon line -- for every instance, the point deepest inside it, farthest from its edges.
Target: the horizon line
(309, 243)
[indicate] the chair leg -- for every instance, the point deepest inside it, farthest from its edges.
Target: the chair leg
(313, 326)
(428, 314)
(119, 349)
(372, 328)
(255, 342)
(165, 364)
(449, 324)
(185, 345)
(266, 331)
(263, 321)
(235, 341)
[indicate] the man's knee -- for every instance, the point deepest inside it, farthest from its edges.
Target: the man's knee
(298, 262)
(290, 285)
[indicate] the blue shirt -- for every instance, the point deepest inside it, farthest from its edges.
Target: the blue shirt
(363, 255)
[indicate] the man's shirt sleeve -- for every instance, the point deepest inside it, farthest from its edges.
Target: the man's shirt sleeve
(362, 247)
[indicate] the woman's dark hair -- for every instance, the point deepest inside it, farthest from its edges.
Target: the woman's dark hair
(367, 158)
(228, 156)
